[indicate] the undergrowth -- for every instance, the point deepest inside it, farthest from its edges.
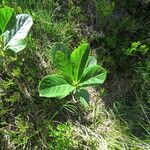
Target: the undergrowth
(118, 116)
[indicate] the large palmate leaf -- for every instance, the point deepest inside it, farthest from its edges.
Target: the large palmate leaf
(7, 19)
(54, 86)
(79, 59)
(63, 65)
(59, 47)
(13, 39)
(93, 75)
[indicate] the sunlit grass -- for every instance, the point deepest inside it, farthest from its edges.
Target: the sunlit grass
(118, 120)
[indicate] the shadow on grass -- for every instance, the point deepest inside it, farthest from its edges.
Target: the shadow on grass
(128, 100)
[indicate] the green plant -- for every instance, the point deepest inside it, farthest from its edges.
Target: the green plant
(61, 136)
(13, 30)
(136, 47)
(76, 71)
(17, 134)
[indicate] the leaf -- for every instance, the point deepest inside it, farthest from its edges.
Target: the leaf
(54, 86)
(17, 46)
(13, 39)
(7, 19)
(93, 75)
(91, 61)
(64, 66)
(79, 59)
(59, 47)
(83, 96)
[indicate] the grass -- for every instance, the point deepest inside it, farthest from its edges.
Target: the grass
(116, 120)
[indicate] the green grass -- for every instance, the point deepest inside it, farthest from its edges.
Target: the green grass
(116, 120)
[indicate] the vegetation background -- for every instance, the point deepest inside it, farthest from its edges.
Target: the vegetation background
(118, 117)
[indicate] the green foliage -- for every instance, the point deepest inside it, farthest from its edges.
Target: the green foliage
(136, 47)
(93, 75)
(13, 31)
(58, 47)
(75, 73)
(83, 96)
(79, 59)
(13, 39)
(119, 118)
(15, 133)
(55, 86)
(104, 7)
(7, 17)
(61, 137)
